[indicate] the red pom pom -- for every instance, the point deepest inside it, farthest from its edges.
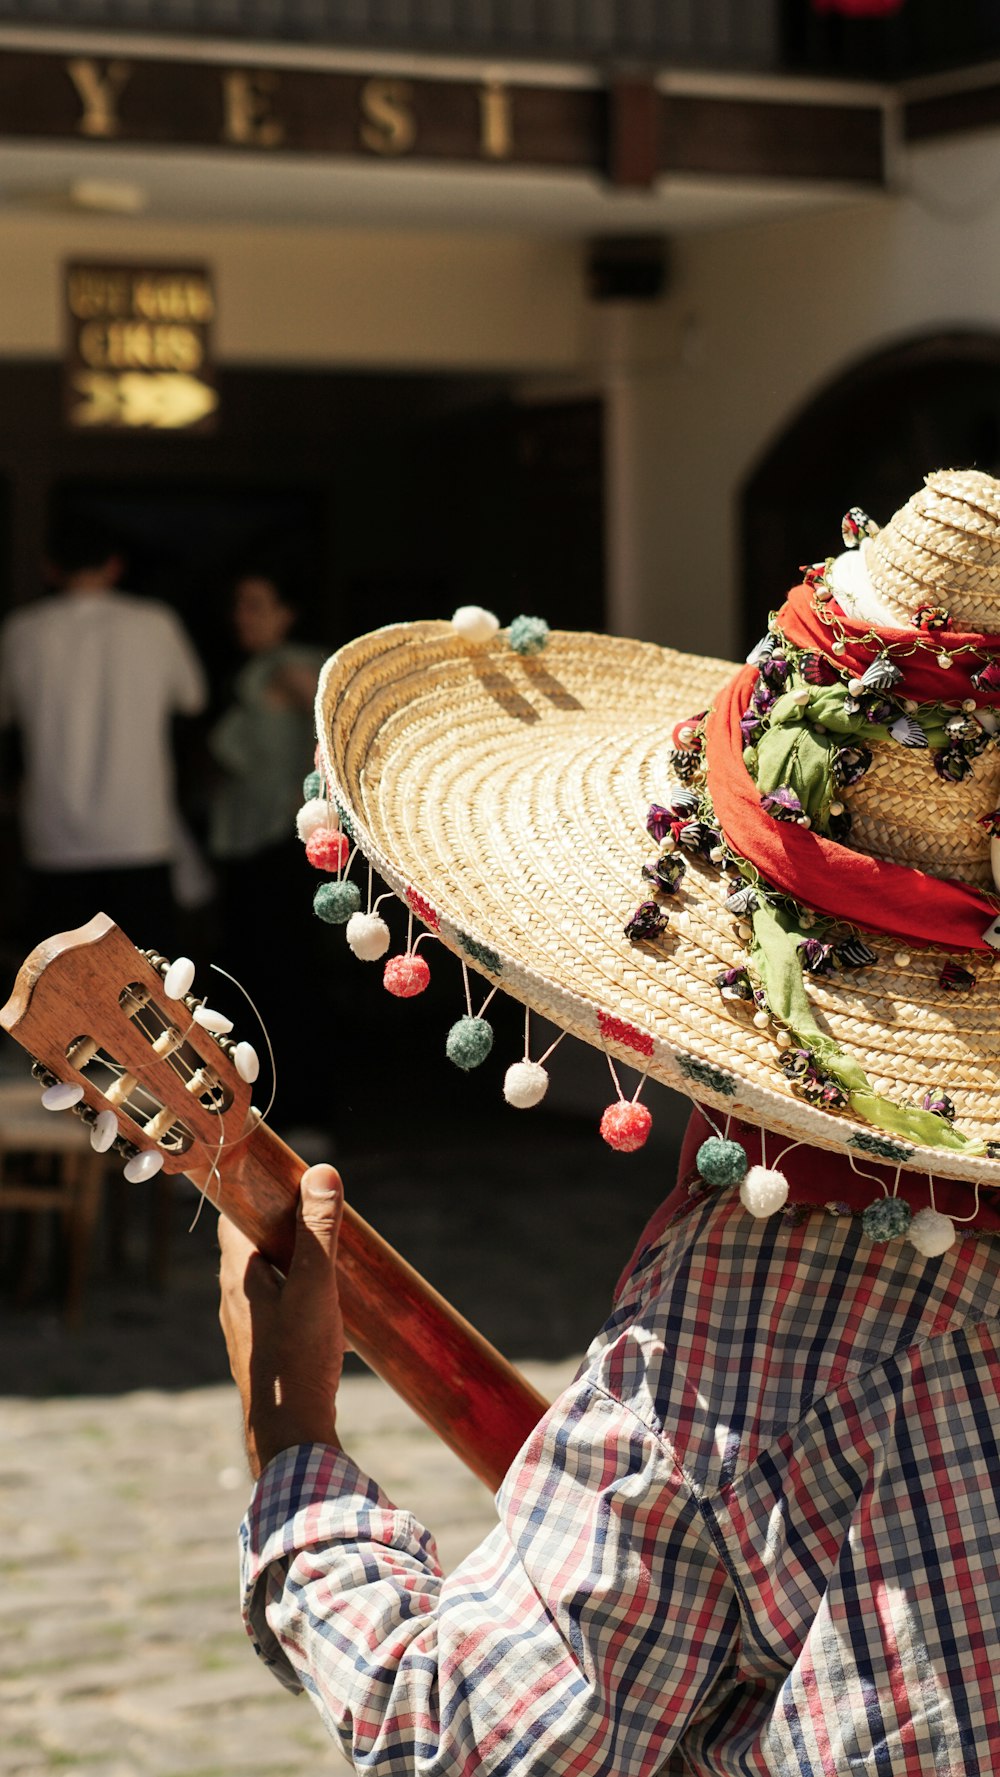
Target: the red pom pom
(406, 975)
(328, 849)
(626, 1126)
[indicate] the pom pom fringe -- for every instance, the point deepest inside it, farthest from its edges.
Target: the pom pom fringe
(406, 975)
(314, 814)
(335, 902)
(475, 624)
(932, 1233)
(625, 1126)
(887, 1218)
(525, 1084)
(721, 1162)
(764, 1191)
(368, 936)
(469, 1042)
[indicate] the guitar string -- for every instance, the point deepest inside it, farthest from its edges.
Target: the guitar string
(177, 1061)
(183, 1069)
(214, 1169)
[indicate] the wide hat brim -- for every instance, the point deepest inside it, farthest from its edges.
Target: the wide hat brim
(504, 799)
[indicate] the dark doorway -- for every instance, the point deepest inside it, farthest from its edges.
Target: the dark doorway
(866, 440)
(385, 497)
(185, 542)
(378, 497)
(560, 459)
(401, 495)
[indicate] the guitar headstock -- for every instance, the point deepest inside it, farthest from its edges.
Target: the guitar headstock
(95, 1014)
(116, 1029)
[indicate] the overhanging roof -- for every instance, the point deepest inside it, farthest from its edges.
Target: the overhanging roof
(274, 132)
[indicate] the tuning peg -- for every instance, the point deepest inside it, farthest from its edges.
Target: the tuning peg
(62, 1096)
(216, 1022)
(246, 1062)
(143, 1166)
(178, 978)
(104, 1131)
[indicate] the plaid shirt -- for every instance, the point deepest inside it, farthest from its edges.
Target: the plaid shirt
(759, 1534)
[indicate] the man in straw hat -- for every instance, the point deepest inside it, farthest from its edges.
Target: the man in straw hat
(760, 1531)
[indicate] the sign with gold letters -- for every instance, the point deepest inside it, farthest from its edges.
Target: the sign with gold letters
(621, 128)
(136, 98)
(139, 348)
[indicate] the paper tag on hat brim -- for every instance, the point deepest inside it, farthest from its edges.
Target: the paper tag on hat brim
(991, 935)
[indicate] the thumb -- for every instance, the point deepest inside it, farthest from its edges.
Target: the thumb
(321, 1205)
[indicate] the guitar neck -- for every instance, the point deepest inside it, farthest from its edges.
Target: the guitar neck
(89, 993)
(458, 1383)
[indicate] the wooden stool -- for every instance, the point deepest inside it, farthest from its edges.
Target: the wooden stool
(47, 1164)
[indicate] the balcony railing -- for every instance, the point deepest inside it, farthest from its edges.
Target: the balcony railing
(740, 34)
(881, 39)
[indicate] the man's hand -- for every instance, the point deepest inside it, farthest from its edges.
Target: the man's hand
(286, 1340)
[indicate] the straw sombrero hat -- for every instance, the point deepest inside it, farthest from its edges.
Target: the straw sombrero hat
(768, 886)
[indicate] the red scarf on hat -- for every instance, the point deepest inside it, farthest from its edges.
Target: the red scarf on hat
(827, 877)
(814, 626)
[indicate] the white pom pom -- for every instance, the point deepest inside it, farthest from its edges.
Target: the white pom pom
(764, 1191)
(525, 1084)
(474, 624)
(317, 812)
(931, 1233)
(368, 936)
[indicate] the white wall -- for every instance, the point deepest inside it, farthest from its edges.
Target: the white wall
(325, 296)
(757, 321)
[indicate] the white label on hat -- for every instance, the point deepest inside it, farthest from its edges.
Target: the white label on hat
(992, 933)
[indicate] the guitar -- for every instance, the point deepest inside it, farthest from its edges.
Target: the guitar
(93, 1012)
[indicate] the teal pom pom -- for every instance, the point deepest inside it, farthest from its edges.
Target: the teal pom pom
(721, 1162)
(887, 1218)
(336, 901)
(312, 786)
(469, 1042)
(528, 635)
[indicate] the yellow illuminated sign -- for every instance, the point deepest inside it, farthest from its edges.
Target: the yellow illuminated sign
(140, 348)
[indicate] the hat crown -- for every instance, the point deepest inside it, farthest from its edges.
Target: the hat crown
(902, 811)
(942, 548)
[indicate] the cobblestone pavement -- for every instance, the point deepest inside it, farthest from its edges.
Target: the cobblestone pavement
(123, 1653)
(122, 1480)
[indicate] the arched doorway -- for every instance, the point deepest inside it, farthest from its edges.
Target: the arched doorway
(866, 440)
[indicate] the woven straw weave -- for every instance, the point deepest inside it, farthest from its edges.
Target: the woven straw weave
(942, 548)
(901, 810)
(510, 794)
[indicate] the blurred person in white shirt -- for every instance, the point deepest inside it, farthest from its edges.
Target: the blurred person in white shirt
(92, 678)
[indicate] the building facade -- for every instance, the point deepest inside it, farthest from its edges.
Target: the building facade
(519, 302)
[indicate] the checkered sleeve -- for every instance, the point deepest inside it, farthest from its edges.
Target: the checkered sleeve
(584, 1635)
